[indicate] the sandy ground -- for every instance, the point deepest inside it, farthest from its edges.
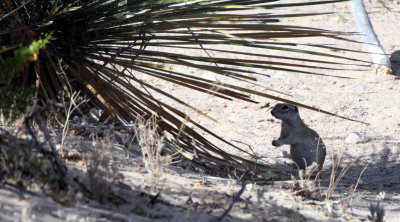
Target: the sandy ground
(185, 195)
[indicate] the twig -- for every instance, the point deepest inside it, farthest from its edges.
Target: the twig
(358, 180)
(35, 116)
(234, 200)
(218, 178)
(384, 5)
(327, 202)
(15, 10)
(19, 188)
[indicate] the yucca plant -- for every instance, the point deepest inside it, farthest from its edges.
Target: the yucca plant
(105, 48)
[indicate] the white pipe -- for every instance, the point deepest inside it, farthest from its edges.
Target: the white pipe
(369, 37)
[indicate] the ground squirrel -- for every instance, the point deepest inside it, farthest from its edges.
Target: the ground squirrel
(306, 145)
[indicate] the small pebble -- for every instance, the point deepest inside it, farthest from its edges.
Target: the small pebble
(95, 113)
(355, 138)
(84, 122)
(360, 88)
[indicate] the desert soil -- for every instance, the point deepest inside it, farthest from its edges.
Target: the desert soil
(186, 195)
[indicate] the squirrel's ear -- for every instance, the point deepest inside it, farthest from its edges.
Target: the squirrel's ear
(296, 109)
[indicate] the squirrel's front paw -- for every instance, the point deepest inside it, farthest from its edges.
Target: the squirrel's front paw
(275, 143)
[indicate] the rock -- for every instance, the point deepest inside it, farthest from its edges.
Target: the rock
(395, 62)
(355, 138)
(95, 113)
(360, 89)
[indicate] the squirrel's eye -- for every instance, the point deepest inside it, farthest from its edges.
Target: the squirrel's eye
(285, 107)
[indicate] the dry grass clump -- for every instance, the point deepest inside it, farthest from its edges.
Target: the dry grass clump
(22, 163)
(102, 168)
(305, 186)
(152, 143)
(29, 165)
(308, 188)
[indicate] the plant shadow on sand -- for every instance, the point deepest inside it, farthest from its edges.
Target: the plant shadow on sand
(381, 168)
(109, 185)
(372, 179)
(178, 195)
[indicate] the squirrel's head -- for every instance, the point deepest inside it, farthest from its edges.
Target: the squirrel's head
(285, 111)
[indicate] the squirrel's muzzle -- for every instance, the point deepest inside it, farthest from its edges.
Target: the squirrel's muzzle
(272, 113)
